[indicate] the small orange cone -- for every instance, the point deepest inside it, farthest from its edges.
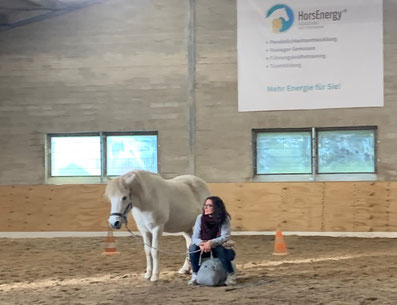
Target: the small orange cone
(111, 247)
(279, 244)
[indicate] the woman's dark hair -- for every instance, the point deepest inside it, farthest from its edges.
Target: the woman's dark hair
(220, 213)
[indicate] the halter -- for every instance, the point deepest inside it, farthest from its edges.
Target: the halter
(124, 214)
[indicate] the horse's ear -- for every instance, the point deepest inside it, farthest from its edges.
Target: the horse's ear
(128, 179)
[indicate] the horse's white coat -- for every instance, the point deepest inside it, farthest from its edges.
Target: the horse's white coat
(158, 206)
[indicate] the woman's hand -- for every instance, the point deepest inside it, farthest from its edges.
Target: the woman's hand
(205, 246)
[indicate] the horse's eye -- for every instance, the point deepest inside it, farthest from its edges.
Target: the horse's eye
(124, 198)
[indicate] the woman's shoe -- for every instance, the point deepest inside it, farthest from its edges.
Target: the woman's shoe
(193, 280)
(231, 279)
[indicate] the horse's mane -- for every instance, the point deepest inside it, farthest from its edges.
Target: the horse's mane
(143, 173)
(115, 187)
(118, 186)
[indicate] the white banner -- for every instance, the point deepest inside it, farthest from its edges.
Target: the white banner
(309, 54)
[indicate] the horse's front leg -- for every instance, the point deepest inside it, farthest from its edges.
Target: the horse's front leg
(156, 234)
(147, 239)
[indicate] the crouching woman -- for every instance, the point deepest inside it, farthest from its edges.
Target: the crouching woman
(211, 230)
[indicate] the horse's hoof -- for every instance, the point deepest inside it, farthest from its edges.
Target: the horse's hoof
(147, 276)
(154, 278)
(184, 271)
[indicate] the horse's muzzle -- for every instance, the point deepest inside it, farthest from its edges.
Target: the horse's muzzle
(116, 225)
(115, 222)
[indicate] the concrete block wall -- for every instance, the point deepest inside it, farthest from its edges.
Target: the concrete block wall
(224, 136)
(116, 65)
(126, 65)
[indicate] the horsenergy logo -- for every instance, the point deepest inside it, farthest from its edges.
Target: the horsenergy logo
(281, 16)
(321, 15)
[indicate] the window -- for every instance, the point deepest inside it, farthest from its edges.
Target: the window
(346, 151)
(315, 151)
(100, 154)
(75, 156)
(283, 152)
(125, 153)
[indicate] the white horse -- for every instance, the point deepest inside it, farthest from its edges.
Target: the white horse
(158, 206)
(280, 14)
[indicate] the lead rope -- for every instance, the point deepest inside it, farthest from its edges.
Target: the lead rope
(173, 253)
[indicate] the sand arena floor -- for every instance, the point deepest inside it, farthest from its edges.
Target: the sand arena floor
(318, 270)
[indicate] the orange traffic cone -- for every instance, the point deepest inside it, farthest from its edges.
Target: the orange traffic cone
(279, 244)
(111, 247)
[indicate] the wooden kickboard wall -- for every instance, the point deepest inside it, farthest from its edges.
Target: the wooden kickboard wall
(293, 206)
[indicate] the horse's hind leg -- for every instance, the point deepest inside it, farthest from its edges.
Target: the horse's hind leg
(186, 266)
(147, 239)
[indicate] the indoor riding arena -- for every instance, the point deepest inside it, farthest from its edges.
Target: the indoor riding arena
(284, 109)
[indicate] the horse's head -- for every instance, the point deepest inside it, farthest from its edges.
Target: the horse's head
(119, 194)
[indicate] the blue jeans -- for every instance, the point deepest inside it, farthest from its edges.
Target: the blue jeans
(224, 255)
